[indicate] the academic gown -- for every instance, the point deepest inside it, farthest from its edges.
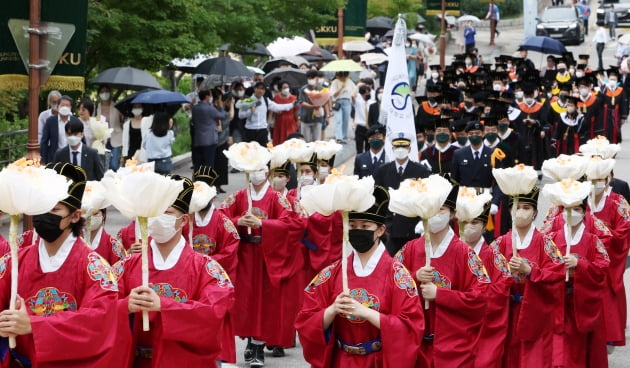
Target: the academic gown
(454, 318)
(72, 309)
(195, 295)
(265, 308)
(579, 320)
(533, 299)
(390, 290)
(615, 108)
(218, 239)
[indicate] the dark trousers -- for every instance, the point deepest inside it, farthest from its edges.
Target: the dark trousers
(360, 137)
(611, 29)
(221, 165)
(600, 50)
(586, 26)
(259, 135)
(470, 47)
(203, 156)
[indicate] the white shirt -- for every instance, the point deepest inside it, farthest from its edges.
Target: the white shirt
(78, 149)
(600, 36)
(361, 271)
(361, 107)
(577, 237)
(478, 152)
(477, 247)
(258, 196)
(50, 263)
(441, 249)
(600, 205)
(171, 260)
(97, 239)
(527, 240)
(376, 155)
(404, 166)
(203, 221)
(61, 128)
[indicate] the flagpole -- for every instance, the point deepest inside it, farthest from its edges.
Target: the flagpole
(443, 36)
(340, 33)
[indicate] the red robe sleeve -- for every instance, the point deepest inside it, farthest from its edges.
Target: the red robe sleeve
(588, 282)
(325, 232)
(127, 235)
(226, 253)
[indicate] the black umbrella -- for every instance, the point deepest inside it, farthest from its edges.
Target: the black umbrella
(126, 78)
(295, 77)
(223, 66)
(325, 56)
(294, 61)
(379, 23)
(257, 49)
(125, 105)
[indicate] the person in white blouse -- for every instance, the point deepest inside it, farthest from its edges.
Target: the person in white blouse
(341, 90)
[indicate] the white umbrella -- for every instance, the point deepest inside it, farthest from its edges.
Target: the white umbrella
(424, 38)
(373, 58)
(468, 18)
(625, 39)
(357, 46)
(289, 46)
(256, 70)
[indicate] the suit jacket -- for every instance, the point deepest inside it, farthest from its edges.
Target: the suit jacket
(363, 164)
(90, 162)
(469, 172)
(620, 187)
(50, 139)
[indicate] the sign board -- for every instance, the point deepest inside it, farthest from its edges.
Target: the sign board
(354, 18)
(434, 7)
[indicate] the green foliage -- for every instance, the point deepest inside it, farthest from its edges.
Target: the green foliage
(12, 142)
(391, 8)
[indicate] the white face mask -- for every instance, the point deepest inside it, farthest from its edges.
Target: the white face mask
(523, 218)
(472, 233)
(612, 85)
(162, 227)
(104, 96)
(576, 217)
(401, 153)
(579, 74)
(96, 222)
(73, 140)
(497, 87)
(323, 172)
(307, 180)
(258, 177)
(279, 183)
(584, 92)
(240, 93)
(570, 109)
(438, 222)
(530, 100)
(65, 111)
(286, 91)
(518, 94)
(600, 186)
(136, 111)
(312, 82)
(435, 75)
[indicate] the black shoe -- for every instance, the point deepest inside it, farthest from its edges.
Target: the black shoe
(259, 356)
(278, 352)
(248, 354)
(498, 33)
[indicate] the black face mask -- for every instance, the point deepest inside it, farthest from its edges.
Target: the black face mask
(468, 104)
(562, 70)
(442, 137)
(503, 127)
(475, 139)
(563, 98)
(491, 137)
(430, 138)
(47, 226)
(361, 240)
(432, 100)
(376, 143)
(420, 145)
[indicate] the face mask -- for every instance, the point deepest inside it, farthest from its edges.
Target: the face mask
(468, 62)
(475, 139)
(104, 96)
(379, 96)
(65, 111)
(579, 74)
(96, 222)
(600, 186)
(503, 127)
(286, 91)
(462, 141)
(312, 82)
(468, 104)
(430, 138)
(240, 93)
(376, 143)
(258, 177)
(432, 100)
(497, 87)
(562, 98)
(491, 137)
(136, 112)
(401, 153)
(439, 222)
(47, 226)
(162, 227)
(584, 92)
(523, 217)
(323, 172)
(307, 180)
(571, 71)
(442, 137)
(529, 100)
(576, 217)
(473, 232)
(570, 109)
(420, 145)
(278, 183)
(518, 94)
(361, 240)
(562, 70)
(612, 84)
(509, 66)
(435, 75)
(73, 140)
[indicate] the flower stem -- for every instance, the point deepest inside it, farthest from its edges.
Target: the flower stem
(570, 224)
(143, 221)
(428, 251)
(345, 250)
(15, 220)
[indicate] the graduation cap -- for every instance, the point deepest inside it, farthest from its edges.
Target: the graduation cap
(584, 81)
(434, 88)
(572, 100)
(565, 87)
(401, 140)
(500, 111)
(530, 198)
(529, 87)
(498, 75)
(459, 125)
(459, 57)
(458, 64)
(474, 125)
(613, 70)
(206, 174)
(584, 57)
(490, 120)
(77, 186)
(378, 211)
(436, 67)
(182, 202)
(443, 123)
(500, 67)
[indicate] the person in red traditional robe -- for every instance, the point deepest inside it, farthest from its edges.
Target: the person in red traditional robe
(187, 298)
(269, 263)
(65, 309)
(378, 322)
(455, 285)
(129, 237)
(491, 344)
(103, 243)
(214, 235)
(285, 122)
(538, 272)
(578, 337)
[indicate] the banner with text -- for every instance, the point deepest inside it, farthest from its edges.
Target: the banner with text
(354, 18)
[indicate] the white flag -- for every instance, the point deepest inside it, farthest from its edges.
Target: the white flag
(397, 105)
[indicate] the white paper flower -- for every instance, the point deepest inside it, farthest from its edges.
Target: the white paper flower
(101, 132)
(600, 146)
(27, 188)
(339, 193)
(94, 198)
(326, 149)
(567, 193)
(469, 204)
(422, 197)
(279, 155)
(564, 167)
(138, 192)
(248, 156)
(598, 168)
(516, 180)
(298, 150)
(202, 194)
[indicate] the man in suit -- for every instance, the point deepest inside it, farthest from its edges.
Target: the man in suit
(471, 164)
(206, 120)
(365, 163)
(390, 175)
(77, 153)
(53, 136)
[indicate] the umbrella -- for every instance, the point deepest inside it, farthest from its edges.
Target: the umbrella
(545, 45)
(451, 20)
(390, 33)
(357, 46)
(255, 70)
(124, 105)
(257, 49)
(422, 37)
(325, 56)
(295, 77)
(468, 18)
(373, 58)
(223, 66)
(126, 78)
(189, 65)
(160, 97)
(380, 23)
(295, 61)
(345, 65)
(625, 39)
(289, 46)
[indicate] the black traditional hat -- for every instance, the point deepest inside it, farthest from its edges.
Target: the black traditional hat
(182, 202)
(378, 211)
(283, 169)
(530, 198)
(451, 200)
(77, 187)
(312, 162)
(330, 161)
(206, 174)
(483, 217)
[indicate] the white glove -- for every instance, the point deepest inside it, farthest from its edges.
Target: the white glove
(494, 209)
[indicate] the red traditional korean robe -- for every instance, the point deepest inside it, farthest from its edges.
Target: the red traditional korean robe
(533, 300)
(389, 289)
(72, 310)
(195, 295)
(578, 341)
(110, 248)
(268, 271)
(453, 320)
(4, 246)
(127, 235)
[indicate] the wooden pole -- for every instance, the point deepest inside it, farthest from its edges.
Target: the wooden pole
(493, 23)
(340, 33)
(443, 35)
